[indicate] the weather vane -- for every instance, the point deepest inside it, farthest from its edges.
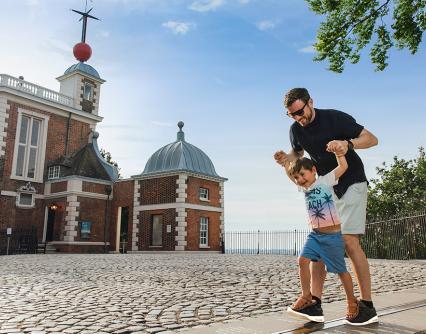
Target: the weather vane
(84, 16)
(82, 51)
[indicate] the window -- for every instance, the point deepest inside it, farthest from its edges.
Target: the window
(157, 230)
(53, 172)
(204, 231)
(204, 194)
(88, 92)
(25, 196)
(30, 142)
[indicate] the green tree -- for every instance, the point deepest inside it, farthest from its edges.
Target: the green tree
(108, 158)
(351, 25)
(399, 188)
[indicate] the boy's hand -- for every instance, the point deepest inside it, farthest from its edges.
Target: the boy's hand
(281, 158)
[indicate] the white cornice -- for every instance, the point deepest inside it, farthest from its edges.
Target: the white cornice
(53, 107)
(177, 205)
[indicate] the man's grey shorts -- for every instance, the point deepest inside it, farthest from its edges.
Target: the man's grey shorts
(352, 208)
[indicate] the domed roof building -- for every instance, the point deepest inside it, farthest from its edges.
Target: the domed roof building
(180, 156)
(178, 202)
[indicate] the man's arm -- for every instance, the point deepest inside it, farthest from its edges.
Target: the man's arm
(365, 140)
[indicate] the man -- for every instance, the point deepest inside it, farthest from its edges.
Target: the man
(312, 130)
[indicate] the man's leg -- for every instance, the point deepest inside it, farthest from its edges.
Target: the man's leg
(318, 275)
(360, 265)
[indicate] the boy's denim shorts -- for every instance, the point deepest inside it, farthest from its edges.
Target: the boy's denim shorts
(326, 247)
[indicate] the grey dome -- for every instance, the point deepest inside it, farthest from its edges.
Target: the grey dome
(180, 156)
(85, 68)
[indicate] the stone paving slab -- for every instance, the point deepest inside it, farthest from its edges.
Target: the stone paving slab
(161, 293)
(407, 322)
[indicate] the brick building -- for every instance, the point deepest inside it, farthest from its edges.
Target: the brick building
(54, 180)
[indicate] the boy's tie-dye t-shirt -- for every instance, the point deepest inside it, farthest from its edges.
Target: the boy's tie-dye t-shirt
(319, 198)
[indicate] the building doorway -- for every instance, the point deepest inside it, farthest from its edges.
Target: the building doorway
(157, 230)
(50, 226)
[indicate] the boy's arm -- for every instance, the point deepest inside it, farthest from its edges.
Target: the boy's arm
(342, 164)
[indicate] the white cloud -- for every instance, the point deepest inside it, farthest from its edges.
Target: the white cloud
(33, 2)
(265, 25)
(206, 6)
(178, 27)
(104, 34)
(162, 124)
(307, 49)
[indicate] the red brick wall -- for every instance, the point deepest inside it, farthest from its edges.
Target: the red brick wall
(93, 210)
(158, 191)
(194, 184)
(145, 230)
(56, 135)
(123, 196)
(91, 187)
(12, 216)
(58, 187)
(193, 230)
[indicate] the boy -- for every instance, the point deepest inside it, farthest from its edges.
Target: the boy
(325, 242)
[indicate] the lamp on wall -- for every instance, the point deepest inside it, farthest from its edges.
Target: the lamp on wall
(53, 206)
(108, 190)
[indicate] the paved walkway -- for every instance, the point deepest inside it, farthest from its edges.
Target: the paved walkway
(167, 293)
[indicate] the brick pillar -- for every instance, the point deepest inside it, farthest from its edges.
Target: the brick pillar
(181, 233)
(135, 229)
(71, 222)
(4, 108)
(222, 202)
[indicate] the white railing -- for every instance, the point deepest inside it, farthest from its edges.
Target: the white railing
(33, 89)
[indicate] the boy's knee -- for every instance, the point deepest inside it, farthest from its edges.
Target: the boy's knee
(303, 261)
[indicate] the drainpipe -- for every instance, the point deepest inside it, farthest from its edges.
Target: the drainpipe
(67, 137)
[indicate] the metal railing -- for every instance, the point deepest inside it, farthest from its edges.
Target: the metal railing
(21, 241)
(35, 90)
(265, 242)
(399, 238)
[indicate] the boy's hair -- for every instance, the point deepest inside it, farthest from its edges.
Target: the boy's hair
(296, 94)
(297, 165)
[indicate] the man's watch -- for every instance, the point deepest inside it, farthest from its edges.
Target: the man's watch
(350, 145)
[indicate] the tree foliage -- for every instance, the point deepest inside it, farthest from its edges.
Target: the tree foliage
(400, 187)
(350, 25)
(108, 158)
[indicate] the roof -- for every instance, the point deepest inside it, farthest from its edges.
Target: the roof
(88, 162)
(180, 156)
(85, 68)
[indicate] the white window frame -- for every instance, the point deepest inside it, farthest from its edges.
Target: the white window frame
(41, 147)
(203, 194)
(27, 190)
(92, 89)
(204, 231)
(53, 172)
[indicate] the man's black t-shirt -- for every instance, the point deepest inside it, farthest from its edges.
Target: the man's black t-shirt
(330, 125)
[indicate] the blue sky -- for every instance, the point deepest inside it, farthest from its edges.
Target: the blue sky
(221, 66)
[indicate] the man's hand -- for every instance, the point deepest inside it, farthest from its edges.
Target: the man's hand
(338, 147)
(281, 158)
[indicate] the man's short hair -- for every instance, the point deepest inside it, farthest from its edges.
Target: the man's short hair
(296, 94)
(297, 165)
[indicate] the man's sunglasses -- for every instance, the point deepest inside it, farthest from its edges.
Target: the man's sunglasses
(299, 112)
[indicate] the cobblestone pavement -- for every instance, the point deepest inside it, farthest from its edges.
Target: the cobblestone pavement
(152, 293)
